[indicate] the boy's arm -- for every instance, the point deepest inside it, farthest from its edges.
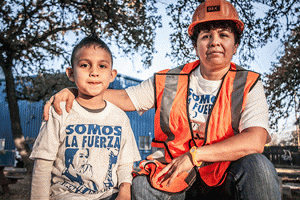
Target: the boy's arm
(124, 191)
(124, 179)
(41, 179)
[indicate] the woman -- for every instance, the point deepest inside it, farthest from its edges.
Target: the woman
(211, 120)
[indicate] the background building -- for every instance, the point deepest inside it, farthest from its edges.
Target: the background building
(31, 117)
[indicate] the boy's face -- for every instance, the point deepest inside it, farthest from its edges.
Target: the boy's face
(92, 71)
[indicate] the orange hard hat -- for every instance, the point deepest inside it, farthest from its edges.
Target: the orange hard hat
(213, 10)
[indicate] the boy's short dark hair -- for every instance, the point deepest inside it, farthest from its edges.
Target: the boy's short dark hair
(87, 42)
(226, 24)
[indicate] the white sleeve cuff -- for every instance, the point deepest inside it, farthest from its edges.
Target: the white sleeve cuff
(124, 173)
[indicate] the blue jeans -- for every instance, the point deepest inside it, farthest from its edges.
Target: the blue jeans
(251, 177)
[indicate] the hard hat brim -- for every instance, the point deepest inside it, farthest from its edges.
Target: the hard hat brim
(239, 24)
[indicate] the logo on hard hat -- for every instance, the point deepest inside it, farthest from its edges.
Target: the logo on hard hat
(213, 8)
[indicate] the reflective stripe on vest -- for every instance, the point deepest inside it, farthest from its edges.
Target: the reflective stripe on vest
(172, 124)
(237, 98)
(171, 83)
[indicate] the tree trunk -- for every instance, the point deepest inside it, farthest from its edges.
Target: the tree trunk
(18, 136)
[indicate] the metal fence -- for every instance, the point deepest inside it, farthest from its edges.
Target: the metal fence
(31, 118)
(283, 155)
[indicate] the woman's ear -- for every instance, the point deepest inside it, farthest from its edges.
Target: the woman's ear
(235, 48)
(70, 74)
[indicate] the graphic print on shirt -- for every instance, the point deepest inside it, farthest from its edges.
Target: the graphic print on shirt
(113, 156)
(199, 106)
(78, 170)
(81, 140)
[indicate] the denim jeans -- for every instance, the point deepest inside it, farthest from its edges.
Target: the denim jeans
(251, 177)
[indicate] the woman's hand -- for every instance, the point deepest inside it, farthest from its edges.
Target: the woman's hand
(178, 165)
(67, 94)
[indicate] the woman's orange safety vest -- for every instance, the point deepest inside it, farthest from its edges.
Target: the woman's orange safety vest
(172, 126)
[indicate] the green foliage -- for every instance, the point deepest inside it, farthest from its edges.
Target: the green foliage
(282, 84)
(42, 86)
(34, 30)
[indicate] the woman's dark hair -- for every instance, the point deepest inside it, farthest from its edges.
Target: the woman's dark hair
(226, 24)
(87, 42)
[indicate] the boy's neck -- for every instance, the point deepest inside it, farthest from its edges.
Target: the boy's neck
(96, 102)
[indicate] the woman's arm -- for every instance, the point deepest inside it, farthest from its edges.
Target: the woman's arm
(249, 141)
(117, 97)
(120, 98)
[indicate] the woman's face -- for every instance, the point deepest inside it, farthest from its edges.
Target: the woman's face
(215, 49)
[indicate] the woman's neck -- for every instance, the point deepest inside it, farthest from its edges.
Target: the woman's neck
(213, 74)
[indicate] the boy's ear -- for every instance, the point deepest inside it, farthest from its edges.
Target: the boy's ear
(70, 73)
(113, 75)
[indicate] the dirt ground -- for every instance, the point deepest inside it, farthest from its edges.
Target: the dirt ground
(20, 190)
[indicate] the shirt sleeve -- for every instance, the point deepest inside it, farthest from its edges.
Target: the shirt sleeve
(47, 143)
(256, 111)
(142, 95)
(128, 155)
(41, 179)
(129, 151)
(124, 173)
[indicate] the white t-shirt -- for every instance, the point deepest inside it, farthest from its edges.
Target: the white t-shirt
(88, 150)
(202, 94)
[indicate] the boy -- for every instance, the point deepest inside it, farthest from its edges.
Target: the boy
(90, 151)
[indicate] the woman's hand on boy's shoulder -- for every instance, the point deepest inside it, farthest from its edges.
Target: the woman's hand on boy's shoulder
(67, 95)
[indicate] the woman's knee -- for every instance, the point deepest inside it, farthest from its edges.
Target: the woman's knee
(257, 164)
(254, 175)
(138, 182)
